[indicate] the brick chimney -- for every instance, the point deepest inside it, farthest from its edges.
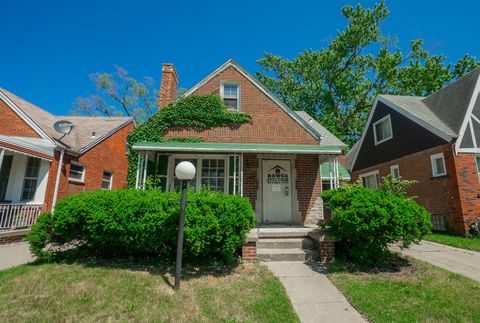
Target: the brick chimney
(168, 87)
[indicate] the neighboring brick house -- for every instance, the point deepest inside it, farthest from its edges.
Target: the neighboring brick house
(434, 140)
(92, 156)
(274, 160)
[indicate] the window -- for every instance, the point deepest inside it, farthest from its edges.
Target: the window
(5, 176)
(161, 171)
(395, 171)
(438, 165)
(234, 175)
(77, 172)
(231, 95)
(382, 130)
(107, 180)
(213, 174)
(31, 178)
(371, 180)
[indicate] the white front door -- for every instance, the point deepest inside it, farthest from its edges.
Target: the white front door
(277, 191)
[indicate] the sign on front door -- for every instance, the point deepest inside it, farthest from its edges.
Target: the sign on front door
(277, 191)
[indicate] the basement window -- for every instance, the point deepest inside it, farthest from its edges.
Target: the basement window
(438, 165)
(382, 130)
(230, 92)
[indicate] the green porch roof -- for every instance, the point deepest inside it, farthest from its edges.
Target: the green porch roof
(325, 168)
(215, 147)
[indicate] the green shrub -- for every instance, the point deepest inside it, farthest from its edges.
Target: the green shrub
(131, 223)
(365, 222)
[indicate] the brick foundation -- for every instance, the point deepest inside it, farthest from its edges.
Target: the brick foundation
(249, 251)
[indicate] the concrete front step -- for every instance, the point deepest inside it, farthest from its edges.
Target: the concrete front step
(285, 255)
(285, 232)
(285, 243)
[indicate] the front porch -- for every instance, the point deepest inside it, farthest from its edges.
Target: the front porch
(283, 182)
(23, 184)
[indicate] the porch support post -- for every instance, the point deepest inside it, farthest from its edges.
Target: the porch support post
(330, 172)
(235, 174)
(145, 170)
(2, 153)
(241, 174)
(335, 170)
(139, 166)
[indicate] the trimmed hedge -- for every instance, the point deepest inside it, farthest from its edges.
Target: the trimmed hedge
(365, 222)
(131, 223)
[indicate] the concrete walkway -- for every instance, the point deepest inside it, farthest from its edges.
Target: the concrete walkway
(460, 261)
(14, 254)
(314, 297)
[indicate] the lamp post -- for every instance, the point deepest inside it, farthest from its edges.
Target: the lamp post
(184, 171)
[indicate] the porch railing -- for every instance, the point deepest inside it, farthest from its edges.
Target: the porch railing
(18, 216)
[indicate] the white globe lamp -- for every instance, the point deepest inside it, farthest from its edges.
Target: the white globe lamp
(185, 171)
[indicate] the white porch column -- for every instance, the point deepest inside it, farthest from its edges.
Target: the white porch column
(145, 170)
(330, 171)
(241, 174)
(336, 173)
(138, 182)
(235, 174)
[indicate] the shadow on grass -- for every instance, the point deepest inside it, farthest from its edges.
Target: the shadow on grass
(151, 265)
(391, 263)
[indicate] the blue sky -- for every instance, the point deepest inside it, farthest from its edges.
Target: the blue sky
(50, 47)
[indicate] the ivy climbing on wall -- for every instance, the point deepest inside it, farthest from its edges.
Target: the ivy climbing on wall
(195, 111)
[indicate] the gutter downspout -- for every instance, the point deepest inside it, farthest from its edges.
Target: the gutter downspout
(57, 182)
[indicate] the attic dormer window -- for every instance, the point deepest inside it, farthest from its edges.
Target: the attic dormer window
(382, 130)
(230, 92)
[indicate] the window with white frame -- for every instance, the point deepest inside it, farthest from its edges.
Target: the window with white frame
(230, 93)
(161, 171)
(234, 175)
(213, 174)
(107, 180)
(382, 130)
(77, 172)
(395, 171)
(30, 179)
(371, 180)
(438, 165)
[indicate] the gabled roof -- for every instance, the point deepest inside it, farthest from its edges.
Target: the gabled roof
(80, 139)
(444, 112)
(268, 93)
(326, 137)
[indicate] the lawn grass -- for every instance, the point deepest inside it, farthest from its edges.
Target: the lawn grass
(455, 241)
(92, 293)
(418, 292)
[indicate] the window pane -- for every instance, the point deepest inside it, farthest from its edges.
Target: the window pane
(439, 166)
(231, 103)
(29, 189)
(76, 172)
(213, 174)
(478, 165)
(230, 91)
(379, 131)
(162, 164)
(33, 166)
(107, 180)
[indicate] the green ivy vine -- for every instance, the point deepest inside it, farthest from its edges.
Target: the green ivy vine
(195, 111)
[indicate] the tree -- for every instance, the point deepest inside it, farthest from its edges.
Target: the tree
(338, 84)
(119, 94)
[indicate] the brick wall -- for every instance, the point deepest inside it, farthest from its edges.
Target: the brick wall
(249, 251)
(12, 125)
(433, 193)
(109, 155)
(250, 178)
(309, 188)
(466, 192)
(270, 123)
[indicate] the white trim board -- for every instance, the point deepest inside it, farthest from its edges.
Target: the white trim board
(467, 120)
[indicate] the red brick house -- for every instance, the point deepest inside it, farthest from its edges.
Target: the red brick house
(274, 160)
(434, 140)
(92, 156)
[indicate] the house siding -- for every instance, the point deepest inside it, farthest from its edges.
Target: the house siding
(13, 125)
(408, 138)
(270, 124)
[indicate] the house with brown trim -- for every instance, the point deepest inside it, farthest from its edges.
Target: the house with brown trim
(434, 140)
(274, 160)
(39, 165)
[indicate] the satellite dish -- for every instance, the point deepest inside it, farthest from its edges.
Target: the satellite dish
(63, 126)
